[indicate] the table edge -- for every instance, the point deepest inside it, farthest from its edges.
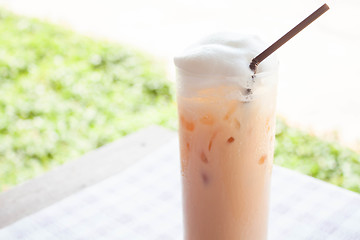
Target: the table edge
(95, 166)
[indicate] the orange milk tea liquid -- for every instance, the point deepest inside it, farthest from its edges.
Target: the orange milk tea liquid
(226, 147)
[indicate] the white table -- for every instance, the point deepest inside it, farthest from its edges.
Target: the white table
(130, 190)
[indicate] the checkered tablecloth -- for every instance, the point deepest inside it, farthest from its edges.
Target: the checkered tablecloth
(144, 202)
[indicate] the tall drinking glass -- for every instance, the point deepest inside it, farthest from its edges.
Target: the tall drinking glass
(226, 134)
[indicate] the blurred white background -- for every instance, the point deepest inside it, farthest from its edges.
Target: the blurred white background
(319, 84)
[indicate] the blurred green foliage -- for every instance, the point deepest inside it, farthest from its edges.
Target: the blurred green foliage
(63, 94)
(326, 160)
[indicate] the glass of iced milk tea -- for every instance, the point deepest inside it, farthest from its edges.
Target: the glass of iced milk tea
(226, 130)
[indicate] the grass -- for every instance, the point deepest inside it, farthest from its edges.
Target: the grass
(308, 154)
(63, 94)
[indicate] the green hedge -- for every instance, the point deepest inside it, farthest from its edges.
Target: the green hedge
(326, 160)
(63, 94)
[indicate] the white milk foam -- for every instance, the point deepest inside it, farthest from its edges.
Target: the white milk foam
(222, 58)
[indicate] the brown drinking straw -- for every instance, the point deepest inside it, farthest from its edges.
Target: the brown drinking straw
(259, 58)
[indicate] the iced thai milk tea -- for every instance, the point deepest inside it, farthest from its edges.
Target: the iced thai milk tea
(226, 130)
